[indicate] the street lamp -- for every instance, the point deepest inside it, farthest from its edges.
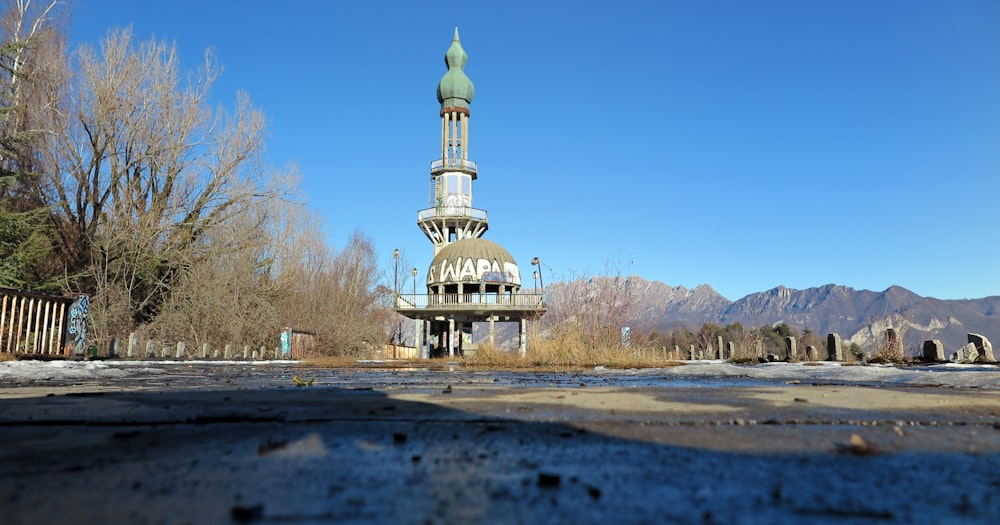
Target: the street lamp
(395, 288)
(395, 275)
(414, 285)
(536, 281)
(538, 263)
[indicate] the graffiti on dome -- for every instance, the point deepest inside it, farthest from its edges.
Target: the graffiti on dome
(470, 269)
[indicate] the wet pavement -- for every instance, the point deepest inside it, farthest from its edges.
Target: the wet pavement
(233, 443)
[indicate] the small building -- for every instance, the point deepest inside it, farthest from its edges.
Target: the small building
(470, 279)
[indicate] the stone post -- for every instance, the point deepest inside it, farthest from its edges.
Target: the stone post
(691, 354)
(983, 346)
(791, 350)
(133, 342)
(150, 349)
(933, 350)
(228, 354)
(893, 342)
(730, 350)
(181, 348)
(113, 348)
(246, 351)
(810, 353)
(722, 349)
(204, 350)
(834, 348)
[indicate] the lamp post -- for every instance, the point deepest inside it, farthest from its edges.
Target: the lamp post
(414, 286)
(395, 289)
(536, 281)
(538, 263)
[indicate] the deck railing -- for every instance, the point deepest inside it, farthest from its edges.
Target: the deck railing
(470, 300)
(460, 164)
(452, 211)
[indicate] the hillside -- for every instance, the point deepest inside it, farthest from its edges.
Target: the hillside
(824, 309)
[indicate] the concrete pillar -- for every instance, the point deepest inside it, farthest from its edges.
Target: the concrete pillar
(730, 350)
(523, 338)
(113, 348)
(204, 350)
(835, 350)
(983, 346)
(418, 338)
(791, 349)
(492, 331)
(722, 349)
(150, 349)
(133, 344)
(228, 354)
(451, 338)
(933, 350)
(181, 347)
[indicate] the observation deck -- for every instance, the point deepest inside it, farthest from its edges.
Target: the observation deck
(462, 165)
(429, 306)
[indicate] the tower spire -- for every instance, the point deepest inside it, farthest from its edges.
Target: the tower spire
(451, 216)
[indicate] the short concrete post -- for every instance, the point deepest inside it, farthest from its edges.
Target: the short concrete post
(811, 353)
(983, 346)
(165, 353)
(691, 354)
(722, 349)
(246, 351)
(113, 348)
(892, 341)
(133, 343)
(150, 349)
(204, 350)
(228, 353)
(835, 350)
(933, 350)
(262, 354)
(791, 349)
(181, 347)
(730, 350)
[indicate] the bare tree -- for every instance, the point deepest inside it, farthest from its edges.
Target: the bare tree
(31, 48)
(143, 171)
(339, 296)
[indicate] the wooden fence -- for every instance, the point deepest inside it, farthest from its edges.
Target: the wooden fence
(41, 324)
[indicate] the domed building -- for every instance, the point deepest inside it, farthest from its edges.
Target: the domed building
(471, 279)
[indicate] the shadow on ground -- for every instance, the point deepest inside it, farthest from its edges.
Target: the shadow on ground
(354, 455)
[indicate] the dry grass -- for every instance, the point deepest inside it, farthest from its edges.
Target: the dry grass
(7, 356)
(568, 354)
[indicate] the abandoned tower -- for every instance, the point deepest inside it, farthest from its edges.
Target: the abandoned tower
(471, 279)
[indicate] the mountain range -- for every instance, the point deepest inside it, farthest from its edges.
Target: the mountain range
(857, 315)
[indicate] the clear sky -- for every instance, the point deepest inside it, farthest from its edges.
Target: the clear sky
(740, 144)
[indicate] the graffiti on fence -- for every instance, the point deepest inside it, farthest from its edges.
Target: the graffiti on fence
(78, 313)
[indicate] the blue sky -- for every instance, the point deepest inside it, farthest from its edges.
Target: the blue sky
(740, 144)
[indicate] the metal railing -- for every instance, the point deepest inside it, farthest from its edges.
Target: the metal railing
(459, 164)
(470, 300)
(452, 211)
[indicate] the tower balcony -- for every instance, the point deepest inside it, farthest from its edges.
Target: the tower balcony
(462, 165)
(452, 211)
